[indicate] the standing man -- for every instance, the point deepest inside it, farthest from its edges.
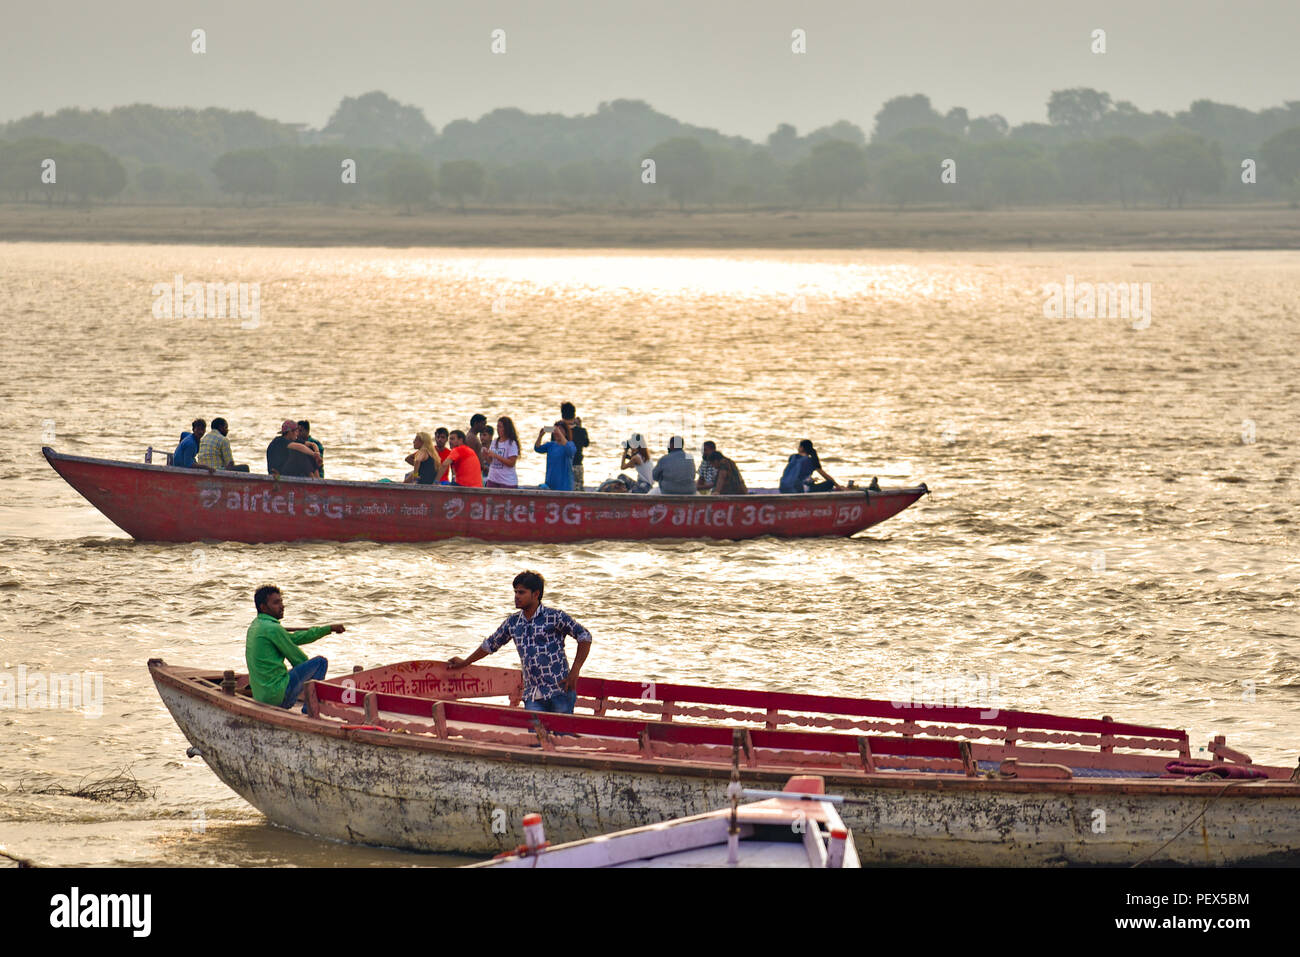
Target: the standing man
(468, 470)
(183, 457)
(539, 633)
(708, 476)
(578, 436)
(675, 472)
(268, 645)
(214, 450)
(476, 423)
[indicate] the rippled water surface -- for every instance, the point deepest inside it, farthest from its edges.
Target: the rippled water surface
(1112, 529)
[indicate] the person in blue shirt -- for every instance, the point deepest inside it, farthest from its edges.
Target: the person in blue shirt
(183, 457)
(797, 476)
(560, 451)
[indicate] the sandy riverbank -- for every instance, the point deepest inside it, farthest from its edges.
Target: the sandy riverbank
(1236, 227)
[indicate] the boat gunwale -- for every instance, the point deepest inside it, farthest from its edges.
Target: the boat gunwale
(52, 456)
(291, 720)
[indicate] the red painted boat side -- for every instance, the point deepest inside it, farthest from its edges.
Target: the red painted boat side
(163, 504)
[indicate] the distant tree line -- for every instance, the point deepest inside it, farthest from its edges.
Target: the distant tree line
(376, 150)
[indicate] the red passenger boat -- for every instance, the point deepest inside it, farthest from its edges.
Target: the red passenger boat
(160, 503)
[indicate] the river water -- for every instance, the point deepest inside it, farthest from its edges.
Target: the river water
(1112, 528)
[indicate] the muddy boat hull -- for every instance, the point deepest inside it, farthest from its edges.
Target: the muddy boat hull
(384, 788)
(163, 504)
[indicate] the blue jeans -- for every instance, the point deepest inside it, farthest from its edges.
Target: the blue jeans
(313, 669)
(561, 702)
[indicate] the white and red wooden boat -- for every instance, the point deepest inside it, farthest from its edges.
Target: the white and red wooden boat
(795, 827)
(161, 503)
(398, 756)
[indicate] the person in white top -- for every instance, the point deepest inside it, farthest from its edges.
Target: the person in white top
(502, 456)
(637, 456)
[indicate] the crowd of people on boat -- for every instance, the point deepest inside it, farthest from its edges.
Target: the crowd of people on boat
(484, 456)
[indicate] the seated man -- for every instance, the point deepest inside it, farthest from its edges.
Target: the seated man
(468, 469)
(183, 457)
(708, 476)
(288, 455)
(539, 633)
(214, 450)
(268, 645)
(306, 438)
(675, 472)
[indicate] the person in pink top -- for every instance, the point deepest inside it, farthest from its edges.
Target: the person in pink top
(465, 466)
(502, 456)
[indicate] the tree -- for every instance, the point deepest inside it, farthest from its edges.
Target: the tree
(528, 180)
(87, 171)
(783, 144)
(408, 181)
(376, 119)
(986, 129)
(1121, 161)
(957, 122)
(682, 165)
(187, 186)
(839, 130)
(926, 139)
(245, 172)
(152, 181)
(835, 169)
(905, 113)
(316, 172)
(573, 180)
(907, 177)
(1009, 172)
(461, 178)
(1180, 163)
(1077, 110)
(20, 167)
(1281, 156)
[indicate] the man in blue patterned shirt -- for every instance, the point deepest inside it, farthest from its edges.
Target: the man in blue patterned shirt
(539, 633)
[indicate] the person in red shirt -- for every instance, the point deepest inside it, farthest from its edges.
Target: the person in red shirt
(467, 470)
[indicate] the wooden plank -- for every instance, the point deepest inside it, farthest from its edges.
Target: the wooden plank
(864, 751)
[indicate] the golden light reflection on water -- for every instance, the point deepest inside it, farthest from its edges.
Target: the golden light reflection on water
(1047, 443)
(668, 275)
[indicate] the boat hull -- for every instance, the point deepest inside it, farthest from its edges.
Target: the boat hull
(390, 789)
(164, 504)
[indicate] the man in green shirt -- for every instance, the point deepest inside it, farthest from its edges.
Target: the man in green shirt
(268, 646)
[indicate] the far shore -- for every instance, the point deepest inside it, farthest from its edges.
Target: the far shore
(1275, 226)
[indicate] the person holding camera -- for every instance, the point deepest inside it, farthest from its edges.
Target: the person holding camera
(578, 435)
(637, 456)
(559, 452)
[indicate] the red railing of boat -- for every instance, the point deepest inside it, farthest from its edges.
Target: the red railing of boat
(440, 712)
(772, 709)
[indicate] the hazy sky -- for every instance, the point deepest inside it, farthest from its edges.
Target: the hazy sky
(724, 64)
